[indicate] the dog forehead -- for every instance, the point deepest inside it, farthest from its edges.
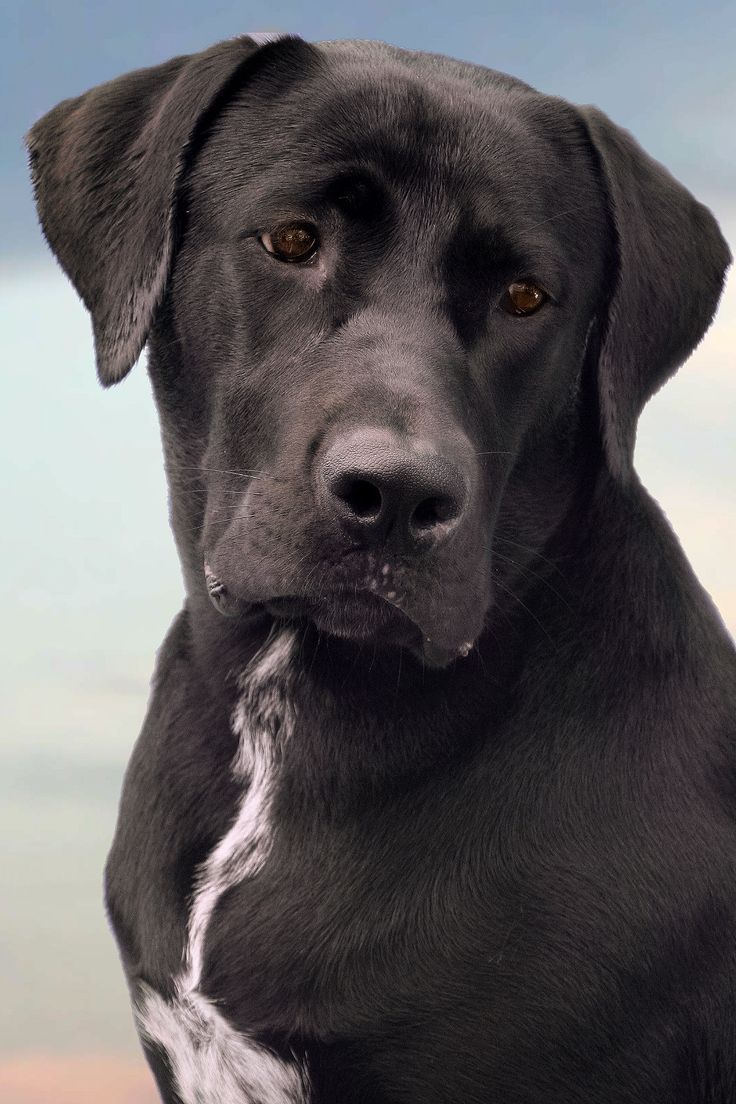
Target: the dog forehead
(455, 125)
(372, 53)
(370, 88)
(377, 102)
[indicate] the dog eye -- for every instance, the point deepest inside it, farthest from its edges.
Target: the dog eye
(296, 241)
(523, 298)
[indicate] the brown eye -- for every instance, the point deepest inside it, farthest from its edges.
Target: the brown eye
(297, 241)
(523, 297)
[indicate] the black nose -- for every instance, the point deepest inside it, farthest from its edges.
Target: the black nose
(382, 488)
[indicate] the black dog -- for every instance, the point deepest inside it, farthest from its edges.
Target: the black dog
(435, 797)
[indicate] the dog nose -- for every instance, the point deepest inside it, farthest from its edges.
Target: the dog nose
(382, 488)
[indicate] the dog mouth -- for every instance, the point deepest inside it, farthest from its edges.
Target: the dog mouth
(352, 615)
(372, 615)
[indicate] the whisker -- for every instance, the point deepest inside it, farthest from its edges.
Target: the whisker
(530, 612)
(536, 574)
(234, 491)
(478, 652)
(246, 473)
(527, 548)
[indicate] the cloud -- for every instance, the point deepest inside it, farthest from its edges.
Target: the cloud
(79, 1079)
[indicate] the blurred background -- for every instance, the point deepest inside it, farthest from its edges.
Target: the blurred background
(89, 578)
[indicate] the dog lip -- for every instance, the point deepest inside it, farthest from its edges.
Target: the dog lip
(335, 601)
(357, 613)
(433, 652)
(350, 614)
(325, 612)
(224, 601)
(439, 655)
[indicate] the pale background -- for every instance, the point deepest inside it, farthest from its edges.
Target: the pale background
(89, 580)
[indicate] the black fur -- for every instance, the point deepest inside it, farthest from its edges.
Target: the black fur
(505, 877)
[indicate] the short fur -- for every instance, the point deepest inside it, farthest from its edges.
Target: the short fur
(431, 814)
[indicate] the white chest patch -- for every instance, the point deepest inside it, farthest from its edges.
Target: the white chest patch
(211, 1062)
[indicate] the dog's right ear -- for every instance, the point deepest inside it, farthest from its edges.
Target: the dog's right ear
(106, 171)
(671, 263)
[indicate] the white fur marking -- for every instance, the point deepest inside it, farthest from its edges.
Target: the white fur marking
(210, 1061)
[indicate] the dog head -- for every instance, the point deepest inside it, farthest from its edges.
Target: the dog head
(392, 301)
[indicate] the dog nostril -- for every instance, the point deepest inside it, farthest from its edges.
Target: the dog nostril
(363, 498)
(379, 487)
(432, 511)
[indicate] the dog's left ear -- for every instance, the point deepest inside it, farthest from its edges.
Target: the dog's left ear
(107, 167)
(672, 259)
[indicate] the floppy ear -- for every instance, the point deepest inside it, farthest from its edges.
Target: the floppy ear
(672, 259)
(106, 169)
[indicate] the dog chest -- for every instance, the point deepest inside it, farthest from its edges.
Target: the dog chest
(390, 935)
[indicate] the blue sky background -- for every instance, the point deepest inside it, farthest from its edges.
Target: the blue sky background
(89, 579)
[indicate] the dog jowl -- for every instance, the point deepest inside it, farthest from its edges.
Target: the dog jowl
(402, 314)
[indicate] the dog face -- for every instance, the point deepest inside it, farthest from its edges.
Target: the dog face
(391, 301)
(364, 356)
